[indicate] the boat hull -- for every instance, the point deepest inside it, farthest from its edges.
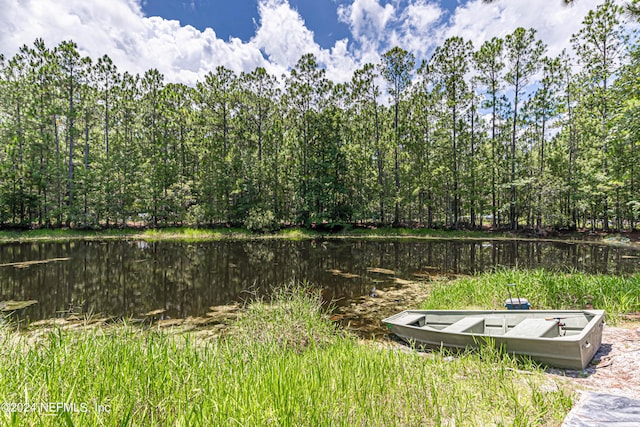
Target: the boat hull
(567, 339)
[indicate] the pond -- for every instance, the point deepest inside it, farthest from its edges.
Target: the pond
(129, 278)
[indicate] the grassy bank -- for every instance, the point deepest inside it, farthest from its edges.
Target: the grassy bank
(616, 295)
(214, 234)
(203, 234)
(284, 364)
(127, 233)
(158, 234)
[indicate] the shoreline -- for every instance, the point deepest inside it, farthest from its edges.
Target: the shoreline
(626, 239)
(612, 370)
(296, 334)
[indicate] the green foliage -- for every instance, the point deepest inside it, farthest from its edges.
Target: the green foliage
(85, 145)
(261, 220)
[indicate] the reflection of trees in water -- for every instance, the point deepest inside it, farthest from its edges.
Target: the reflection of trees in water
(127, 278)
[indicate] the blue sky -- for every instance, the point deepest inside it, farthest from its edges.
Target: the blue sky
(185, 39)
(228, 19)
(238, 18)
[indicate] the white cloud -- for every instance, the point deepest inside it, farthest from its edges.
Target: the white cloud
(367, 20)
(339, 61)
(282, 33)
(119, 29)
(418, 27)
(553, 21)
(284, 37)
(183, 54)
(137, 43)
(420, 16)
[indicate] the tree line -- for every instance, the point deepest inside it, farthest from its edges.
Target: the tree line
(500, 134)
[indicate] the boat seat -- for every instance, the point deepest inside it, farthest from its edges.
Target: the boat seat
(465, 325)
(409, 319)
(532, 328)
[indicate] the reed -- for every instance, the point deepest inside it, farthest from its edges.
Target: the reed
(617, 295)
(301, 371)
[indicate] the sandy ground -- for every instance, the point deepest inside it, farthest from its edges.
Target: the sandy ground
(615, 369)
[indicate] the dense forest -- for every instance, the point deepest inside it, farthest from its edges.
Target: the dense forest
(499, 135)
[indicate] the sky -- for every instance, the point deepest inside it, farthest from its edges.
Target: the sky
(186, 39)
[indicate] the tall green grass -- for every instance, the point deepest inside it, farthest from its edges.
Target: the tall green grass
(63, 234)
(296, 233)
(175, 234)
(194, 234)
(300, 371)
(295, 318)
(616, 295)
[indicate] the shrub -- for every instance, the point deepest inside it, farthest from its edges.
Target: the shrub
(262, 220)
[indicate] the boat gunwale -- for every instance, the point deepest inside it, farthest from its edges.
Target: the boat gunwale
(598, 316)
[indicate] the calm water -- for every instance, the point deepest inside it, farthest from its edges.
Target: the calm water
(129, 278)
